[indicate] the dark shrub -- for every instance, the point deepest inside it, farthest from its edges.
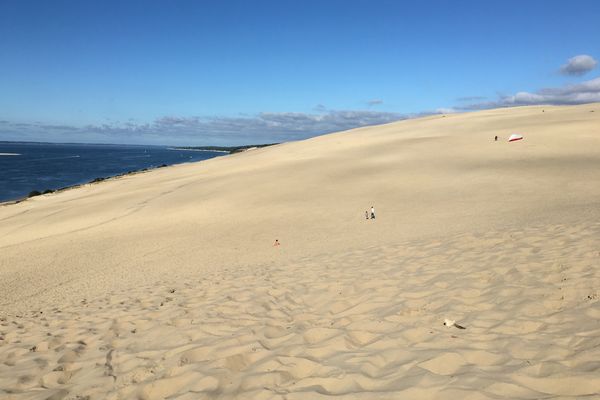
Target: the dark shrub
(34, 193)
(98, 180)
(48, 191)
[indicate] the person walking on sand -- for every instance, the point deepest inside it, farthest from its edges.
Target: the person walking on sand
(366, 215)
(372, 212)
(276, 243)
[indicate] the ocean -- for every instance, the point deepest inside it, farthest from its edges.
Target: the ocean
(26, 167)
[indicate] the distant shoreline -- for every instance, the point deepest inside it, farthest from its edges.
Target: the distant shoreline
(213, 149)
(186, 149)
(223, 149)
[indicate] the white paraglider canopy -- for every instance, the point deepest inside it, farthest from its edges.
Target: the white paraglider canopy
(514, 137)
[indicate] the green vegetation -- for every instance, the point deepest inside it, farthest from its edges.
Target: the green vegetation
(229, 149)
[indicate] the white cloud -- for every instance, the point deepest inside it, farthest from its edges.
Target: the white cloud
(261, 128)
(579, 65)
(581, 93)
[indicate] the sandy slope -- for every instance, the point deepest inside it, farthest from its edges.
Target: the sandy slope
(166, 284)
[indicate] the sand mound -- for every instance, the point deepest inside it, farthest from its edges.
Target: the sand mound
(166, 285)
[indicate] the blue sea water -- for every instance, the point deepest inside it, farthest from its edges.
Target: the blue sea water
(41, 166)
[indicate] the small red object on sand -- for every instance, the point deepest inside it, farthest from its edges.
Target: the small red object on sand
(514, 137)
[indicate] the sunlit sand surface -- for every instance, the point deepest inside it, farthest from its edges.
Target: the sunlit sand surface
(166, 285)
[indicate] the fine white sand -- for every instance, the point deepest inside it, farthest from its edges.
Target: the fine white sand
(166, 285)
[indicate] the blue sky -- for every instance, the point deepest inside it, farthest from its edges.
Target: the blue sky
(233, 72)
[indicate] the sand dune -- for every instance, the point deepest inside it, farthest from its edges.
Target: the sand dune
(166, 284)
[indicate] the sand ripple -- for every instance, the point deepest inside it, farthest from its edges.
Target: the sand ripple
(365, 324)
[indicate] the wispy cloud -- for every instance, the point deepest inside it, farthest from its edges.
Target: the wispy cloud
(280, 126)
(263, 127)
(471, 98)
(579, 65)
(581, 93)
(375, 102)
(444, 110)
